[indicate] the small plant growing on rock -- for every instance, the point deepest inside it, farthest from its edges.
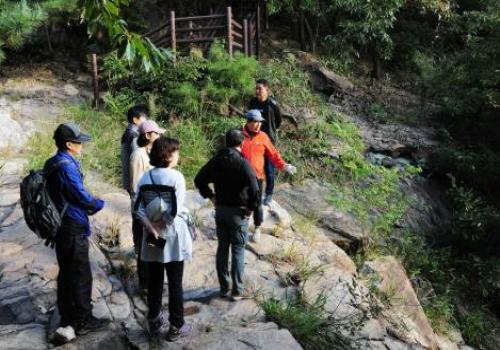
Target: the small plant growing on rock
(127, 271)
(302, 272)
(111, 235)
(308, 322)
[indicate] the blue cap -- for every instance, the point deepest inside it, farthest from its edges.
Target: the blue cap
(254, 115)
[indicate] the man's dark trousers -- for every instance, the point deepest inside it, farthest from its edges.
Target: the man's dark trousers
(74, 282)
(142, 266)
(232, 232)
(270, 175)
(258, 213)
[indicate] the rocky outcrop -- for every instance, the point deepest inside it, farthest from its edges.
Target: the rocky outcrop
(309, 200)
(402, 315)
(396, 139)
(323, 79)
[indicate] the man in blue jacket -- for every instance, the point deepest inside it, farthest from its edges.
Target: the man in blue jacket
(75, 203)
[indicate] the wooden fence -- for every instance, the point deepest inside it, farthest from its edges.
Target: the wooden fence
(201, 31)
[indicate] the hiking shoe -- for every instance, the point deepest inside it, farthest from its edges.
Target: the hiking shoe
(63, 335)
(236, 296)
(256, 235)
(267, 199)
(224, 295)
(175, 333)
(91, 324)
(155, 325)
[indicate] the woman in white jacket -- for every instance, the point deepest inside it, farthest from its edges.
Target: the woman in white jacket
(149, 131)
(172, 232)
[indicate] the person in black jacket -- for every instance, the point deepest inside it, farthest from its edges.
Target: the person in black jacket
(135, 116)
(271, 112)
(236, 196)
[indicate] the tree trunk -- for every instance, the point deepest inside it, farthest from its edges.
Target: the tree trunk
(376, 63)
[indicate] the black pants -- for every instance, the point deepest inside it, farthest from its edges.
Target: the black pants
(142, 266)
(270, 175)
(258, 213)
(74, 282)
(175, 270)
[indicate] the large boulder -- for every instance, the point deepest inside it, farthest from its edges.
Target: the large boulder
(13, 136)
(309, 200)
(324, 79)
(404, 317)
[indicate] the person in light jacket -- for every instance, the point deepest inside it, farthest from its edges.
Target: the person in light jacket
(178, 246)
(149, 131)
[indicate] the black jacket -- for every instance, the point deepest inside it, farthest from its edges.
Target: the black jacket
(234, 180)
(271, 113)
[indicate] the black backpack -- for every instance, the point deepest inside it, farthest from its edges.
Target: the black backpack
(40, 213)
(153, 191)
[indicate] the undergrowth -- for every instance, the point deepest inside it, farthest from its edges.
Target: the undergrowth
(308, 323)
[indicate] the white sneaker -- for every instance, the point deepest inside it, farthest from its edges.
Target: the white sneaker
(63, 335)
(256, 235)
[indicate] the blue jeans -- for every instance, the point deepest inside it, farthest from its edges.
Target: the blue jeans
(232, 232)
(269, 170)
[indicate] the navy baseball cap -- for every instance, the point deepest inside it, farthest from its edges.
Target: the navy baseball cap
(254, 115)
(70, 132)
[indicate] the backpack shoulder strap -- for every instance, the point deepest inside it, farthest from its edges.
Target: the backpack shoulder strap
(151, 177)
(49, 170)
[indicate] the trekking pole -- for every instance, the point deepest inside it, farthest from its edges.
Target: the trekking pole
(95, 80)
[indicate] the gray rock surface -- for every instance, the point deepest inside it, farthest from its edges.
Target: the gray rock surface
(309, 200)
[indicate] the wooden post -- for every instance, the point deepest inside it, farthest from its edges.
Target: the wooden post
(266, 16)
(302, 31)
(257, 32)
(172, 31)
(230, 32)
(250, 38)
(95, 80)
(245, 37)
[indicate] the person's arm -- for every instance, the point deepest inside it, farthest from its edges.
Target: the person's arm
(75, 191)
(140, 213)
(277, 113)
(273, 154)
(180, 191)
(133, 144)
(134, 171)
(251, 182)
(203, 178)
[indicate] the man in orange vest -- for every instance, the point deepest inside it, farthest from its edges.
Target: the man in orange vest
(255, 148)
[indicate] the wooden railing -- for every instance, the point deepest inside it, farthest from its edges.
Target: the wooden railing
(201, 31)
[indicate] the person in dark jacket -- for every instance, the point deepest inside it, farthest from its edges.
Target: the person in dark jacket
(235, 198)
(271, 112)
(75, 203)
(135, 115)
